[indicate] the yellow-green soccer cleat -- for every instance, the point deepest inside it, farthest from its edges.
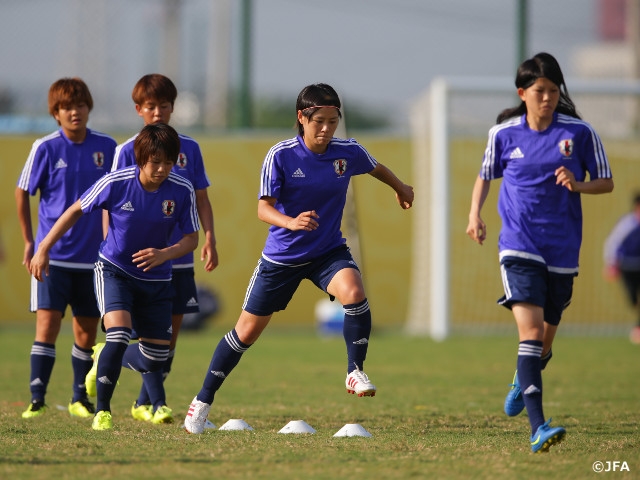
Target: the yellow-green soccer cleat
(90, 379)
(162, 415)
(546, 436)
(102, 421)
(82, 408)
(514, 402)
(144, 413)
(35, 409)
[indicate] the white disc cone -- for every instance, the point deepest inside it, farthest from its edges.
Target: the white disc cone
(236, 424)
(352, 430)
(207, 425)
(297, 426)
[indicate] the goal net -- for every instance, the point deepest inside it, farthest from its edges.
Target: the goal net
(455, 282)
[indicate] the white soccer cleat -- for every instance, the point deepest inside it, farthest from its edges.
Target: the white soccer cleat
(357, 382)
(196, 416)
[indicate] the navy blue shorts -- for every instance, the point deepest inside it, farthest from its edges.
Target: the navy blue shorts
(272, 285)
(149, 303)
(62, 287)
(526, 281)
(185, 294)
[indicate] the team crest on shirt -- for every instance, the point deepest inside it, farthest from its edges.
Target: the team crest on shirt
(168, 207)
(566, 147)
(98, 159)
(182, 160)
(340, 166)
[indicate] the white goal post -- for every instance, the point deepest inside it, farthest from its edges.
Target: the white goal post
(428, 310)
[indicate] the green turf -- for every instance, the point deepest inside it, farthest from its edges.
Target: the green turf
(438, 413)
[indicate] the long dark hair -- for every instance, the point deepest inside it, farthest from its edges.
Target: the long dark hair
(542, 65)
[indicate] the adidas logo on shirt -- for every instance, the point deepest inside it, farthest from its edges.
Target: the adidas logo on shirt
(298, 173)
(127, 206)
(60, 164)
(192, 302)
(517, 153)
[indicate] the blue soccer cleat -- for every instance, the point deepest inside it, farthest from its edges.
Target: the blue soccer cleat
(514, 403)
(546, 436)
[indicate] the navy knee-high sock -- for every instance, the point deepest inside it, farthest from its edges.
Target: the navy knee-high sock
(81, 362)
(530, 378)
(42, 358)
(225, 357)
(110, 365)
(356, 330)
(148, 359)
(143, 397)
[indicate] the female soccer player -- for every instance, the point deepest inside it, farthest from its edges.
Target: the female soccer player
(302, 196)
(154, 96)
(132, 276)
(622, 259)
(543, 152)
(61, 166)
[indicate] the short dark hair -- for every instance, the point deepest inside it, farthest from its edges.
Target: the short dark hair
(68, 91)
(154, 86)
(312, 97)
(157, 139)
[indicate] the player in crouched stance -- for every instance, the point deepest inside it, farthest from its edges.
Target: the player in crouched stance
(132, 276)
(302, 196)
(543, 152)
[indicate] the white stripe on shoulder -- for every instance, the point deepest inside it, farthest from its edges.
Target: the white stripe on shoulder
(604, 170)
(267, 166)
(112, 177)
(489, 160)
(25, 176)
(116, 156)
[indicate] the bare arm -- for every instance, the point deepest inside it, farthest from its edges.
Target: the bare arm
(476, 229)
(205, 212)
(269, 214)
(105, 223)
(24, 218)
(565, 177)
(404, 192)
(148, 258)
(39, 264)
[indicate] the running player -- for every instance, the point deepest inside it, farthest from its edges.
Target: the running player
(154, 96)
(622, 259)
(543, 152)
(132, 276)
(61, 166)
(302, 196)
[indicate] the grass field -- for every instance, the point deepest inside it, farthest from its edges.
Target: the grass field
(437, 414)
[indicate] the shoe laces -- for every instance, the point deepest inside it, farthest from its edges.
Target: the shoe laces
(199, 410)
(360, 375)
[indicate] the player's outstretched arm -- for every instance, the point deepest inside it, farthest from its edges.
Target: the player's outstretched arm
(39, 264)
(404, 192)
